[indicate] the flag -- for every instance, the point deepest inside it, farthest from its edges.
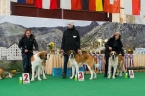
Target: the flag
(65, 4)
(143, 7)
(38, 3)
(132, 7)
(53, 4)
(30, 1)
(46, 4)
(76, 4)
(23, 1)
(85, 4)
(14, 0)
(112, 6)
(99, 6)
(140, 19)
(92, 5)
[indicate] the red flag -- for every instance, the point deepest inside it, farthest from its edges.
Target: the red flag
(38, 3)
(53, 4)
(113, 7)
(76, 4)
(92, 5)
(136, 7)
(30, 1)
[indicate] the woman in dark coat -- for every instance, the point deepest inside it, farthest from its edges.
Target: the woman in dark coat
(26, 45)
(113, 44)
(70, 41)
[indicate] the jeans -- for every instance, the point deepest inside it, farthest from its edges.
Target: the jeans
(65, 63)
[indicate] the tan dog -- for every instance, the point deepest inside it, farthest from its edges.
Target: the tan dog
(76, 59)
(2, 74)
(116, 61)
(37, 62)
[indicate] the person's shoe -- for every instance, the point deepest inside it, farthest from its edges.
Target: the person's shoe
(105, 75)
(64, 75)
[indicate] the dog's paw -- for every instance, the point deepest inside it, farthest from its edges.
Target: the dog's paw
(71, 77)
(120, 74)
(113, 77)
(32, 79)
(44, 78)
(109, 77)
(91, 78)
(95, 77)
(39, 79)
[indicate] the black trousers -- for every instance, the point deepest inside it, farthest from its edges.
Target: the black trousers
(65, 63)
(26, 61)
(106, 65)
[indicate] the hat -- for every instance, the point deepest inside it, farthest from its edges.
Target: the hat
(70, 22)
(117, 33)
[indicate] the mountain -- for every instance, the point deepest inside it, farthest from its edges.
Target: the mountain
(11, 33)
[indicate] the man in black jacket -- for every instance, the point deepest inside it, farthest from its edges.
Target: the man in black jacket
(70, 41)
(26, 45)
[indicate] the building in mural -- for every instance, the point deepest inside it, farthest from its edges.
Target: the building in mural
(11, 53)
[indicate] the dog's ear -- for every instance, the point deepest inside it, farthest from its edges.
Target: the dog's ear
(74, 51)
(40, 55)
(110, 53)
(116, 54)
(68, 52)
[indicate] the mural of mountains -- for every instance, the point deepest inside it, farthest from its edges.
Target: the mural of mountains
(11, 33)
(132, 34)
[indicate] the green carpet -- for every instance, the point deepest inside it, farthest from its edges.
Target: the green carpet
(56, 86)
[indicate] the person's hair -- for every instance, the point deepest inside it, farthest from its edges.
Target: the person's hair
(24, 35)
(118, 38)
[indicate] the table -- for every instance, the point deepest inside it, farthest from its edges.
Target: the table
(55, 61)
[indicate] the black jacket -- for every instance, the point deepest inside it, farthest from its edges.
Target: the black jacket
(110, 44)
(70, 40)
(26, 43)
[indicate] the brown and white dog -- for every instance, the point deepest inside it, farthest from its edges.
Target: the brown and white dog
(116, 61)
(76, 59)
(38, 61)
(2, 74)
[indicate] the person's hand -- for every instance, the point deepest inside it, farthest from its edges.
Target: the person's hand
(36, 51)
(79, 50)
(110, 48)
(62, 51)
(26, 51)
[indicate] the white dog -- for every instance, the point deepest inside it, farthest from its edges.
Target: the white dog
(37, 62)
(114, 61)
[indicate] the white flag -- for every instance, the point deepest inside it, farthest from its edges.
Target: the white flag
(14, 0)
(65, 4)
(46, 4)
(111, 1)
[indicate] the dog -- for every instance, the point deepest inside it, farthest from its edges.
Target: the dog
(2, 74)
(38, 61)
(116, 61)
(78, 59)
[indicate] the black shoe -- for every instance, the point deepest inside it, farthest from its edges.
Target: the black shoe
(63, 75)
(105, 75)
